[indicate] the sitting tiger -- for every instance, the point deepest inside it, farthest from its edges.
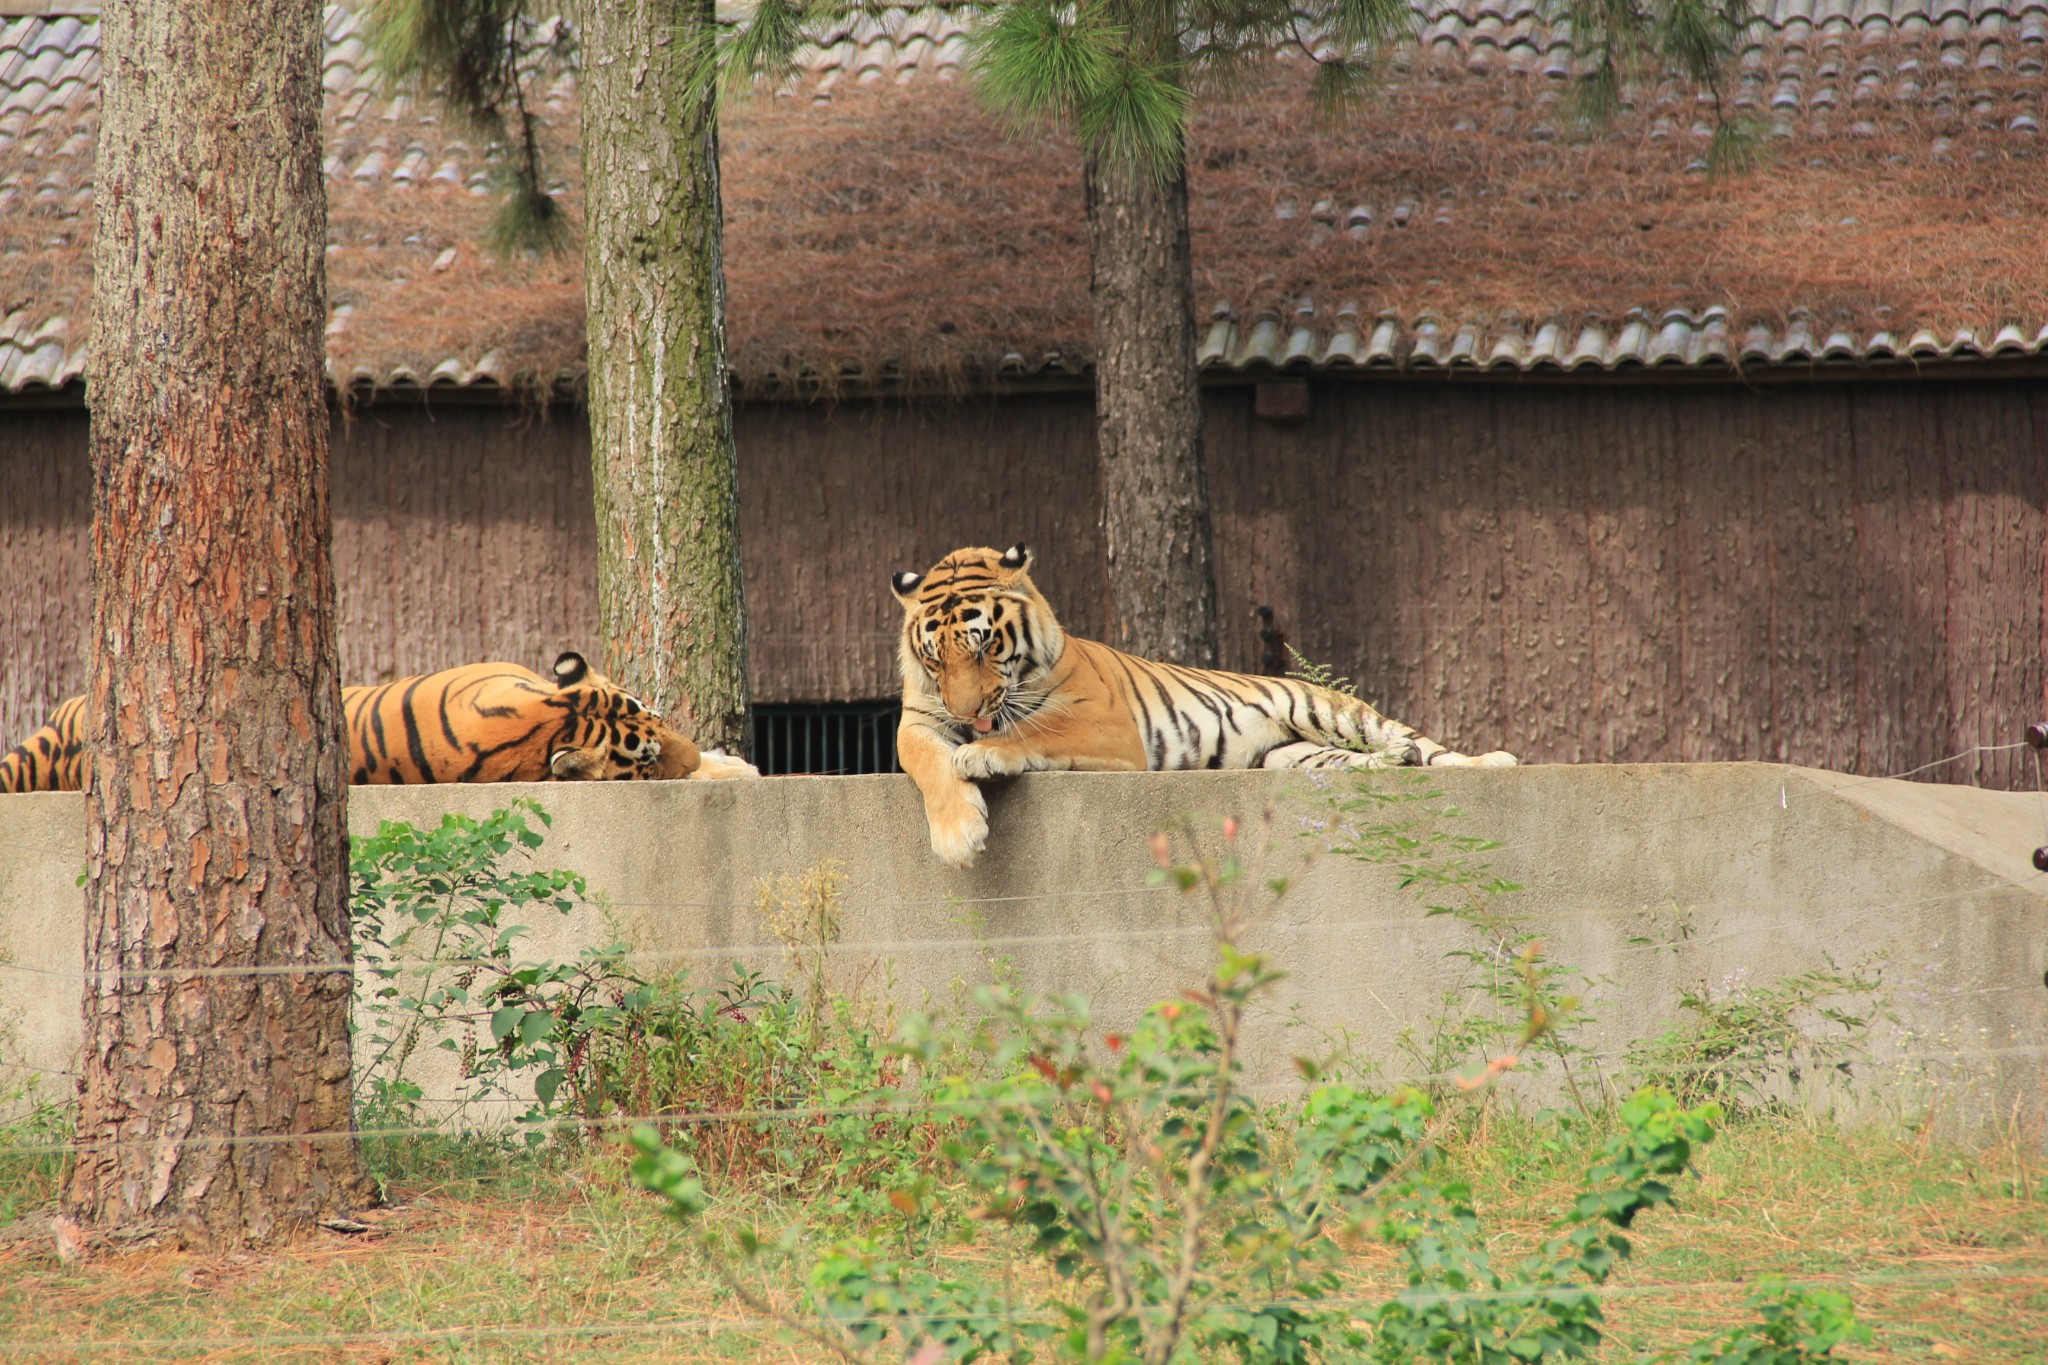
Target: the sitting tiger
(492, 722)
(993, 687)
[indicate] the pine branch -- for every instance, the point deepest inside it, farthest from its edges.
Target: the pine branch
(470, 53)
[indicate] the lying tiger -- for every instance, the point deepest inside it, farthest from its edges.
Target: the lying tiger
(993, 687)
(491, 722)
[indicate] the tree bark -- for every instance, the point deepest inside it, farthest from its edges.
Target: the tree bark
(671, 608)
(214, 1104)
(1155, 489)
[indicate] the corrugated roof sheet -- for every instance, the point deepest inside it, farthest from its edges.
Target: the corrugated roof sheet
(1953, 84)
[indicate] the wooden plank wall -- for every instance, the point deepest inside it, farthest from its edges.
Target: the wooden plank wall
(1844, 575)
(459, 534)
(45, 566)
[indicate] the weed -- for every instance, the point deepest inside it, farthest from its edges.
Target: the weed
(1390, 820)
(33, 1133)
(32, 1157)
(757, 1050)
(1174, 1224)
(803, 913)
(434, 930)
(1749, 1048)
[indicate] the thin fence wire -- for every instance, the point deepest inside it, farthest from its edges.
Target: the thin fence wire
(2030, 886)
(705, 1324)
(1282, 1009)
(1093, 937)
(909, 1105)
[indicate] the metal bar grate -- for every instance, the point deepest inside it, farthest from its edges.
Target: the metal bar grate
(844, 738)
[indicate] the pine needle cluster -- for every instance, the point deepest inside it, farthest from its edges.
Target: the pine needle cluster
(1123, 74)
(476, 54)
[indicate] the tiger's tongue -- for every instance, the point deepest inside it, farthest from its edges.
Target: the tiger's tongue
(982, 725)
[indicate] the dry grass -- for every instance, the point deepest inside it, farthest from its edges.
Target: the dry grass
(1944, 1247)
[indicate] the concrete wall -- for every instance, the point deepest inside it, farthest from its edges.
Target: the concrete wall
(1653, 878)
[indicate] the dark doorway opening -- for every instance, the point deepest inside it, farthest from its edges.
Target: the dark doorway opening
(843, 738)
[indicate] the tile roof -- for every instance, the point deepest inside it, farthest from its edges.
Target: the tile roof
(895, 234)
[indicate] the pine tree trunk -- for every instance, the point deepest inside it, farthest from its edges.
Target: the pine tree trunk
(1155, 490)
(215, 823)
(670, 604)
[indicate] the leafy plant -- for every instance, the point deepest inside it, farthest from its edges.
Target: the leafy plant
(1463, 1307)
(33, 1139)
(1317, 674)
(1387, 819)
(1748, 1047)
(1180, 1222)
(1796, 1327)
(789, 1089)
(434, 929)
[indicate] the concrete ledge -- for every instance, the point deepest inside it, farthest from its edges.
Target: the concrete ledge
(1651, 878)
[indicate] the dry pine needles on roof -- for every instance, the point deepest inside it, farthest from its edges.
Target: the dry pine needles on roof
(895, 235)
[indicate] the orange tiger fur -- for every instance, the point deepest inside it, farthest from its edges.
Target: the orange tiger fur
(53, 758)
(498, 722)
(492, 722)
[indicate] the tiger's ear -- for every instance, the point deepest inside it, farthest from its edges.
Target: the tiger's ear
(570, 668)
(905, 583)
(1018, 556)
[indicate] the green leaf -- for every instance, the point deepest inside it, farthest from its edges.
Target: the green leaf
(504, 1020)
(547, 1084)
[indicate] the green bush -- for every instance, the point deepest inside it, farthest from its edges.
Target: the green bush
(436, 933)
(1749, 1048)
(1180, 1223)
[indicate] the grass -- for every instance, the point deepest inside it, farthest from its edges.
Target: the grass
(492, 1256)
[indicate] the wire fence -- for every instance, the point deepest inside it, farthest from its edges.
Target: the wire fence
(981, 942)
(908, 1106)
(1275, 928)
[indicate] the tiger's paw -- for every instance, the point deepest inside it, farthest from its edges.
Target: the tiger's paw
(1400, 751)
(959, 835)
(974, 762)
(720, 767)
(1499, 758)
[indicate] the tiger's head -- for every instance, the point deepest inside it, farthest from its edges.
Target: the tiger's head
(608, 733)
(978, 636)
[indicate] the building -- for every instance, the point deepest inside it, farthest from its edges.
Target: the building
(1549, 439)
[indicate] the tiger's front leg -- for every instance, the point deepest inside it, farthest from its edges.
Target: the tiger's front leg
(954, 807)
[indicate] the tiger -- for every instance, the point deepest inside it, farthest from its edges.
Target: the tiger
(490, 722)
(498, 722)
(993, 687)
